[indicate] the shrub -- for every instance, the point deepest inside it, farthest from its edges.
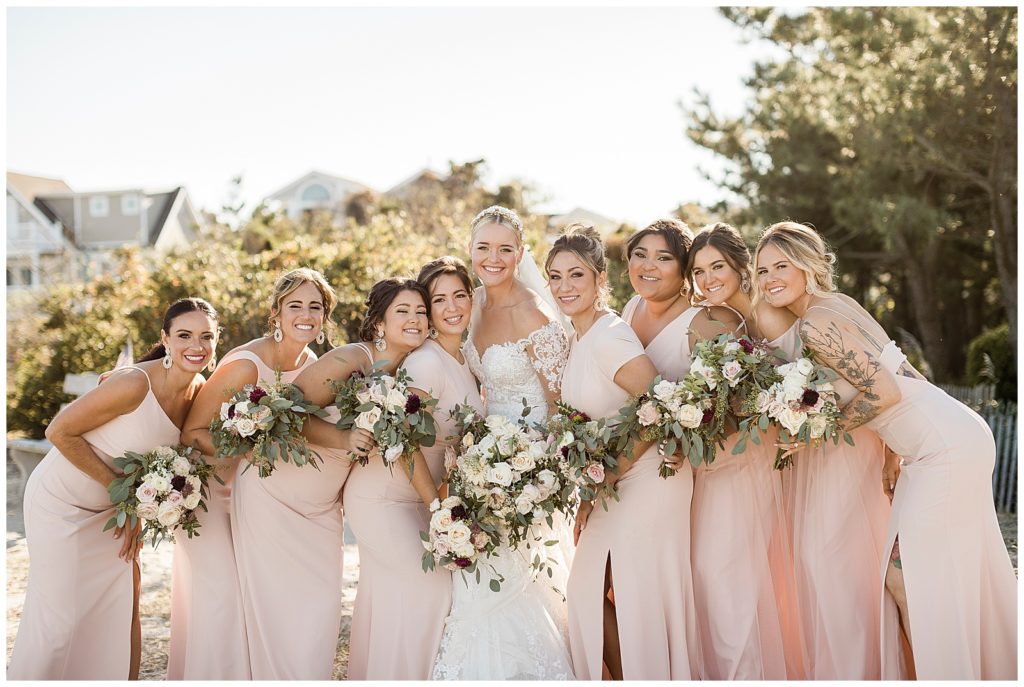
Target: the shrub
(992, 360)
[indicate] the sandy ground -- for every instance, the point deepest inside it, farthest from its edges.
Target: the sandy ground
(155, 604)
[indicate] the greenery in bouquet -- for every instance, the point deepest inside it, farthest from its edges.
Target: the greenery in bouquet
(584, 447)
(401, 422)
(457, 542)
(264, 422)
(165, 488)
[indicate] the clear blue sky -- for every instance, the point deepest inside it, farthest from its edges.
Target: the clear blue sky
(580, 102)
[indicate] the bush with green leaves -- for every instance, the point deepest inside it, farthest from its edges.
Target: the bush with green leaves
(992, 360)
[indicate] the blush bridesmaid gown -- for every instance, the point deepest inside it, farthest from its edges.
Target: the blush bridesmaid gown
(960, 585)
(838, 514)
(208, 629)
(645, 535)
(76, 621)
(400, 611)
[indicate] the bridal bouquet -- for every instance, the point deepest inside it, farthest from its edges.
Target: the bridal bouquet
(803, 403)
(508, 477)
(454, 540)
(583, 447)
(264, 421)
(401, 422)
(164, 488)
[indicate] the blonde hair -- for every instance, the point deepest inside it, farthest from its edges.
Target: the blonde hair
(804, 247)
(496, 214)
(583, 241)
(290, 281)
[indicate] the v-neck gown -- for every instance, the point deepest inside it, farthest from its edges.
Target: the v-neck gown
(76, 621)
(644, 536)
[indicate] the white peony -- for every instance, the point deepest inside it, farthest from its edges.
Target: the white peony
(499, 425)
(159, 482)
(168, 514)
(466, 550)
(451, 502)
(165, 453)
(180, 466)
(148, 510)
(690, 416)
(500, 473)
(192, 500)
(368, 419)
(804, 366)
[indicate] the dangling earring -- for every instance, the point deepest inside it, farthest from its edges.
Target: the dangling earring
(321, 337)
(167, 362)
(379, 343)
(213, 363)
(807, 288)
(278, 334)
(684, 290)
(745, 284)
(432, 333)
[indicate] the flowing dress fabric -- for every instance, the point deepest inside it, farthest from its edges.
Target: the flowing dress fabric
(76, 621)
(399, 610)
(742, 565)
(518, 633)
(960, 585)
(208, 625)
(838, 514)
(644, 536)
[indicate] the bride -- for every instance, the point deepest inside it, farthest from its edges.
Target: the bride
(516, 348)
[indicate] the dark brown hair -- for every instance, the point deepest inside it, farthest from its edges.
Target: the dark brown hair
(727, 241)
(446, 264)
(181, 306)
(381, 295)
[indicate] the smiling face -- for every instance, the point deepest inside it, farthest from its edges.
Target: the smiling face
(654, 271)
(574, 285)
(781, 282)
(713, 275)
(495, 252)
(405, 321)
(192, 340)
(301, 314)
(450, 305)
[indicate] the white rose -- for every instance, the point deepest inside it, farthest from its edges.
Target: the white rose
(533, 492)
(368, 419)
(192, 500)
(565, 440)
(486, 444)
(690, 416)
(393, 454)
(500, 473)
(450, 502)
(459, 534)
(496, 498)
(817, 426)
(731, 371)
(395, 400)
(792, 420)
(537, 450)
(378, 394)
(389, 382)
(146, 493)
(441, 519)
(160, 483)
(763, 399)
(441, 546)
(165, 453)
(539, 514)
(664, 390)
(647, 414)
(731, 347)
(468, 440)
(523, 504)
(698, 366)
(181, 466)
(175, 498)
(245, 427)
(466, 550)
(148, 510)
(363, 396)
(197, 484)
(168, 515)
(522, 461)
(263, 417)
(506, 445)
(242, 408)
(435, 504)
(804, 366)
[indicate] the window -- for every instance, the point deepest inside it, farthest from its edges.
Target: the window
(315, 194)
(26, 276)
(129, 204)
(99, 206)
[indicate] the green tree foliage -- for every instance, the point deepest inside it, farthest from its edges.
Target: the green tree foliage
(990, 360)
(893, 132)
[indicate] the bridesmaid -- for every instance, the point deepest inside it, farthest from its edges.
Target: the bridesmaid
(641, 543)
(950, 589)
(742, 565)
(385, 513)
(208, 624)
(81, 615)
(400, 611)
(837, 512)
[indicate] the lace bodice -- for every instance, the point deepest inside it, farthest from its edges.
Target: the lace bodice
(508, 373)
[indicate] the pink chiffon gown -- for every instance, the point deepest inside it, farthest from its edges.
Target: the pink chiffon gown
(76, 621)
(288, 536)
(960, 585)
(400, 611)
(742, 566)
(208, 628)
(838, 514)
(645, 536)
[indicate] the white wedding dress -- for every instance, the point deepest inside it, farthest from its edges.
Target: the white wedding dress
(521, 632)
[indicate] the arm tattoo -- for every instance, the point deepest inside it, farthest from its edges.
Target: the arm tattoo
(829, 348)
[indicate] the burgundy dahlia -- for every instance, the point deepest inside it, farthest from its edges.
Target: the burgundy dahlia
(709, 414)
(178, 482)
(459, 513)
(462, 562)
(256, 394)
(747, 346)
(231, 411)
(565, 451)
(810, 397)
(412, 403)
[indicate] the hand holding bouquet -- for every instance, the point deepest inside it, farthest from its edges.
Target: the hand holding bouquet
(264, 421)
(400, 421)
(455, 541)
(164, 488)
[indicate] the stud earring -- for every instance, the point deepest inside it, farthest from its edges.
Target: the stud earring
(213, 363)
(167, 362)
(432, 333)
(321, 337)
(278, 334)
(379, 343)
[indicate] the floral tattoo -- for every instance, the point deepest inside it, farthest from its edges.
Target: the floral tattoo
(828, 346)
